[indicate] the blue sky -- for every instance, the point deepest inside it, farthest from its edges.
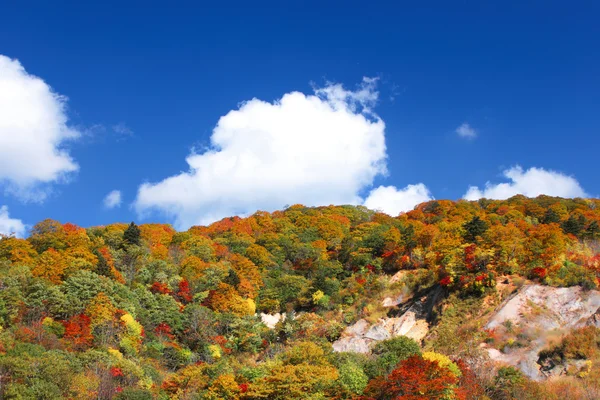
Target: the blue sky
(145, 83)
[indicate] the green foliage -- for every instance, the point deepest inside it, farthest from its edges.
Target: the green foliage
(474, 229)
(138, 312)
(388, 353)
(132, 234)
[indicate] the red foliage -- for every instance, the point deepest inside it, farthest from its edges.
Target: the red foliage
(360, 280)
(77, 329)
(414, 379)
(470, 257)
(539, 272)
(388, 254)
(158, 287)
(446, 281)
(243, 387)
(119, 389)
(370, 268)
(164, 330)
(405, 260)
(222, 342)
(25, 334)
(116, 372)
(184, 294)
(468, 385)
(221, 251)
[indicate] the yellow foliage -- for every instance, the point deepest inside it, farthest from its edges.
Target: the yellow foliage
(18, 251)
(215, 351)
(84, 386)
(115, 353)
(100, 309)
(51, 265)
(224, 387)
(134, 328)
(301, 381)
(316, 296)
(443, 361)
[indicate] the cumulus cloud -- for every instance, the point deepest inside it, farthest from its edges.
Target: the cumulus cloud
(113, 199)
(10, 226)
(466, 131)
(531, 183)
(393, 201)
(33, 132)
(312, 149)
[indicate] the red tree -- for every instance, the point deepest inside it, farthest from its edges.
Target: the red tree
(414, 379)
(184, 294)
(78, 330)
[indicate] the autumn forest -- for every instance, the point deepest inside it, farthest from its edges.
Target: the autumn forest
(254, 307)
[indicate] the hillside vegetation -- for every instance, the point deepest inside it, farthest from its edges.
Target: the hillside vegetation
(144, 312)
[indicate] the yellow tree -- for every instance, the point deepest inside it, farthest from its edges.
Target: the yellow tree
(51, 265)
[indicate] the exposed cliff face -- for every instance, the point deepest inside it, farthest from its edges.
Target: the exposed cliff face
(411, 321)
(360, 337)
(538, 313)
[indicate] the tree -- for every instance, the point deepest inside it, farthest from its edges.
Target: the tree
(414, 379)
(48, 234)
(475, 228)
(388, 353)
(51, 265)
(102, 267)
(132, 234)
(573, 226)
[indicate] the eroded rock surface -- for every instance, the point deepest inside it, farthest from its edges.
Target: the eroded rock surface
(360, 336)
(542, 312)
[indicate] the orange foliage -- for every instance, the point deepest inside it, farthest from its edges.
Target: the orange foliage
(51, 265)
(414, 379)
(78, 331)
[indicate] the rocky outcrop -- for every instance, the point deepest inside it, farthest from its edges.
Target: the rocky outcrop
(539, 311)
(360, 336)
(271, 320)
(549, 307)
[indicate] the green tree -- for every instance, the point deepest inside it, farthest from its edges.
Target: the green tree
(474, 228)
(132, 234)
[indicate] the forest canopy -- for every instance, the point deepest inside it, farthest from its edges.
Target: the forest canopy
(129, 311)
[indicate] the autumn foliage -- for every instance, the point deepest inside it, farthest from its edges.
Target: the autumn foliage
(143, 311)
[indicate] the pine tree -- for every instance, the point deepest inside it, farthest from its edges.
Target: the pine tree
(102, 268)
(132, 234)
(474, 228)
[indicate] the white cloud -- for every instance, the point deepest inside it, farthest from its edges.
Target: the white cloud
(310, 149)
(113, 199)
(122, 130)
(9, 226)
(531, 183)
(393, 201)
(466, 131)
(33, 131)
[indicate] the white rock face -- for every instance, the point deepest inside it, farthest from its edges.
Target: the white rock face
(543, 309)
(271, 320)
(562, 307)
(359, 338)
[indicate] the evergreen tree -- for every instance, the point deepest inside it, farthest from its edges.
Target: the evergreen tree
(474, 228)
(132, 234)
(573, 225)
(102, 268)
(551, 216)
(592, 231)
(233, 278)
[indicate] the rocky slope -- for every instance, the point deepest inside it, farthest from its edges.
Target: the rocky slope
(535, 315)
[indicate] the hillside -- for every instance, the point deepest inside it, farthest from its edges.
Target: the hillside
(453, 300)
